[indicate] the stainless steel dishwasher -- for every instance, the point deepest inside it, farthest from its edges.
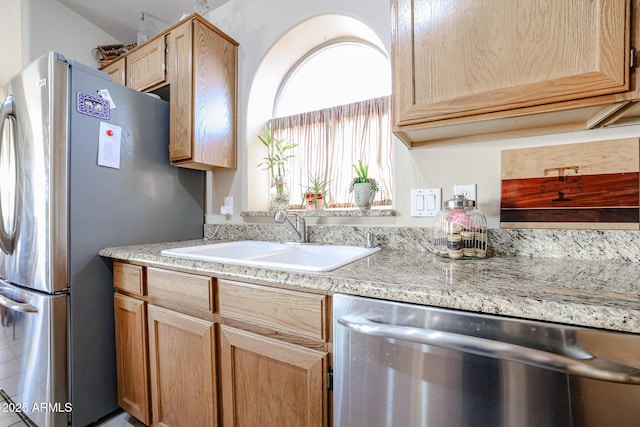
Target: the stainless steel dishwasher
(401, 365)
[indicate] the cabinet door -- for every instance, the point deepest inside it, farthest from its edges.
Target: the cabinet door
(116, 70)
(266, 382)
(456, 58)
(131, 356)
(179, 58)
(182, 369)
(214, 90)
(146, 65)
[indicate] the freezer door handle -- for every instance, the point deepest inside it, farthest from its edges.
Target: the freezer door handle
(589, 367)
(22, 307)
(10, 193)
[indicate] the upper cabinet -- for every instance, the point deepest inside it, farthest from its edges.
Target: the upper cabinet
(202, 75)
(193, 65)
(146, 65)
(466, 71)
(116, 69)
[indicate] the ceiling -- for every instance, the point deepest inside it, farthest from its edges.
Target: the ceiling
(121, 18)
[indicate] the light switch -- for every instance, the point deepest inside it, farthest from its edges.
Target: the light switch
(431, 202)
(426, 202)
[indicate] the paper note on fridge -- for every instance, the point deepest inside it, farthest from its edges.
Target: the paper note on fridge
(109, 145)
(104, 93)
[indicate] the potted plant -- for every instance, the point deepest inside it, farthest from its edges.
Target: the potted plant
(315, 195)
(364, 188)
(275, 161)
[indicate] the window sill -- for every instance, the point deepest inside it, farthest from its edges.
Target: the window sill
(373, 212)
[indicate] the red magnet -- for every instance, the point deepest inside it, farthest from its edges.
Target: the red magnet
(109, 132)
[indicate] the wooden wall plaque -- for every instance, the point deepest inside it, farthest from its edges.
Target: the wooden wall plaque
(593, 185)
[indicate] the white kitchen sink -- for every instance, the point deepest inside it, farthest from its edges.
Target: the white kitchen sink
(290, 256)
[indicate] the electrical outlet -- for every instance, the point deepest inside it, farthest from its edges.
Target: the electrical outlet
(467, 190)
(227, 208)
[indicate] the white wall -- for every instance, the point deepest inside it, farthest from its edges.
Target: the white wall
(10, 17)
(257, 26)
(50, 25)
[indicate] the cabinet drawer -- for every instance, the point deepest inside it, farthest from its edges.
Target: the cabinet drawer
(291, 312)
(146, 65)
(128, 277)
(181, 288)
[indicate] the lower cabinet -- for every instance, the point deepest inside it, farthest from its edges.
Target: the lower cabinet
(197, 351)
(273, 355)
(166, 346)
(182, 369)
(266, 382)
(131, 356)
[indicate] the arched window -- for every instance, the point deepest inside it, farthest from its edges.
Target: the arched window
(334, 103)
(334, 74)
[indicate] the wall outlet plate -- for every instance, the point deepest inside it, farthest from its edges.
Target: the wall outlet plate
(227, 208)
(467, 190)
(426, 202)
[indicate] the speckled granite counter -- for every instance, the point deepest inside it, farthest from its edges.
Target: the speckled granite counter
(602, 294)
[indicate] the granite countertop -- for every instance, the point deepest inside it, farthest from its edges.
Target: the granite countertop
(601, 294)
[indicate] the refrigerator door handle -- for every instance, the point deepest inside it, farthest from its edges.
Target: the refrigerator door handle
(17, 306)
(22, 307)
(9, 226)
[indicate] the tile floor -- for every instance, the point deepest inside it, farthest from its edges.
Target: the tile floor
(8, 417)
(119, 419)
(11, 419)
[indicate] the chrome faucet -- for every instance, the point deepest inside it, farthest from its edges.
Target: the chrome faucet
(299, 230)
(371, 239)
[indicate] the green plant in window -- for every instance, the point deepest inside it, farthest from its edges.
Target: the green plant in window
(277, 153)
(316, 191)
(362, 176)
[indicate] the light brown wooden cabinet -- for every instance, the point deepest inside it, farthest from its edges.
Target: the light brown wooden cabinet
(193, 350)
(131, 356)
(267, 382)
(131, 341)
(182, 368)
(202, 74)
(274, 359)
(146, 65)
(165, 346)
(500, 68)
(193, 65)
(116, 69)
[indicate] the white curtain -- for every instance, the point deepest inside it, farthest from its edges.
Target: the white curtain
(331, 141)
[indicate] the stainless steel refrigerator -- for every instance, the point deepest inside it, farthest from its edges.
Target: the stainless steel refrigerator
(77, 175)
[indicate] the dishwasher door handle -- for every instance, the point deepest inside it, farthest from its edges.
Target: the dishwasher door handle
(594, 368)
